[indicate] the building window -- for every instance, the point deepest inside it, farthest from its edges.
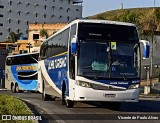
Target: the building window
(9, 11)
(77, 9)
(18, 30)
(10, 3)
(1, 24)
(53, 7)
(18, 21)
(18, 3)
(9, 29)
(19, 13)
(60, 8)
(36, 5)
(1, 15)
(44, 15)
(60, 17)
(53, 0)
(52, 16)
(9, 20)
(69, 1)
(36, 14)
(1, 33)
(27, 13)
(1, 6)
(27, 4)
(26, 31)
(68, 18)
(35, 36)
(26, 22)
(68, 9)
(45, 7)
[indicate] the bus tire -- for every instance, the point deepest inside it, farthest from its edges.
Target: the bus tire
(45, 96)
(52, 98)
(13, 88)
(17, 88)
(69, 103)
(65, 101)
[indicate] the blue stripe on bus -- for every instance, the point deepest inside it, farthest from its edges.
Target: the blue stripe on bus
(57, 70)
(24, 84)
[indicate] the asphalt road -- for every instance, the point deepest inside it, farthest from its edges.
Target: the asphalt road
(88, 112)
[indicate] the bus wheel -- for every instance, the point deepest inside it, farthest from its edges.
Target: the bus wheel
(16, 88)
(69, 103)
(65, 101)
(45, 96)
(52, 98)
(13, 88)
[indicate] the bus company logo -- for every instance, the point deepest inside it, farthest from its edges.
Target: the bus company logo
(19, 68)
(57, 63)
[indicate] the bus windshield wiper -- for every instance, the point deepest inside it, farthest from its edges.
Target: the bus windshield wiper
(123, 76)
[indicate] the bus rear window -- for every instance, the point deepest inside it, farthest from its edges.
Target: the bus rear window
(98, 31)
(25, 59)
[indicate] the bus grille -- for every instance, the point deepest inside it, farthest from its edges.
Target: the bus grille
(108, 88)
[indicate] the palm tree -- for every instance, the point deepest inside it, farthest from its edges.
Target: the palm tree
(13, 37)
(43, 33)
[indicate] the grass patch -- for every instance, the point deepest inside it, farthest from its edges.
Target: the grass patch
(12, 106)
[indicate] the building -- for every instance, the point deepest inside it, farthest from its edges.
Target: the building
(16, 15)
(34, 37)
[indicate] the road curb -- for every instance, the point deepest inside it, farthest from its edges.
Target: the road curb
(145, 96)
(2, 89)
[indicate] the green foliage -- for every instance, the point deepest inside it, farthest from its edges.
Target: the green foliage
(43, 33)
(157, 14)
(13, 37)
(12, 106)
(142, 17)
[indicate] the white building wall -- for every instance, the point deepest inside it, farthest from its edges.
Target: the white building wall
(16, 14)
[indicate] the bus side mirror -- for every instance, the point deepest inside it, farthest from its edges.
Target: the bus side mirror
(146, 50)
(74, 44)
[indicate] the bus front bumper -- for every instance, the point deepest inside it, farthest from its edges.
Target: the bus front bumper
(89, 94)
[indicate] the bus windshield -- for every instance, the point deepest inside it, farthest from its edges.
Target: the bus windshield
(95, 57)
(107, 58)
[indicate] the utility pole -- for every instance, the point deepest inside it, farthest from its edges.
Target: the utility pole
(152, 39)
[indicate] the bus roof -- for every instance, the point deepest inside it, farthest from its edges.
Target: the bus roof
(22, 54)
(90, 21)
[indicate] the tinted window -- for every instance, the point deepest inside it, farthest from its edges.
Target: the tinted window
(87, 31)
(26, 59)
(56, 45)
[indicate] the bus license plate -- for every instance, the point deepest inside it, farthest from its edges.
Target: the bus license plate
(109, 95)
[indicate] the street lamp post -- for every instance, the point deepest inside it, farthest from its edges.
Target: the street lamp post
(29, 46)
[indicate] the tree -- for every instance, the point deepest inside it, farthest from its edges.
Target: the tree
(13, 37)
(43, 33)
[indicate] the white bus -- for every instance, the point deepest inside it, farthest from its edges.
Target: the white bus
(21, 72)
(91, 60)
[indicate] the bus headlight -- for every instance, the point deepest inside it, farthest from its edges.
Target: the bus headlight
(84, 84)
(134, 86)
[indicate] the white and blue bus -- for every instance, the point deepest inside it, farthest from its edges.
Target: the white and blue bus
(91, 60)
(21, 72)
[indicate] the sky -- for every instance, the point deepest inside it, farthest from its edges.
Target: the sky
(93, 7)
